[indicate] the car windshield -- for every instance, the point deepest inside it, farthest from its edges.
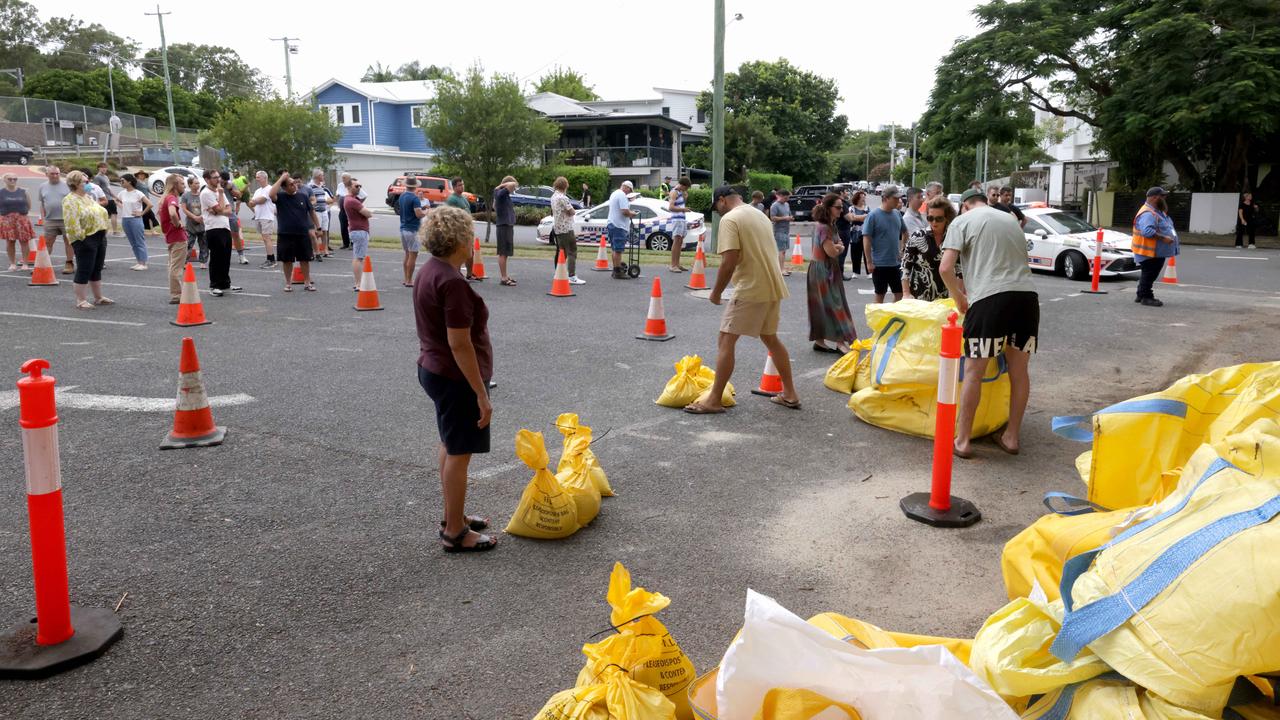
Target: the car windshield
(1061, 223)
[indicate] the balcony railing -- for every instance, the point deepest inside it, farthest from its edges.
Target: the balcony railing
(639, 156)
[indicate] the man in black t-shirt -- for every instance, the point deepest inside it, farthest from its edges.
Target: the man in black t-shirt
(1247, 221)
(295, 219)
(1006, 205)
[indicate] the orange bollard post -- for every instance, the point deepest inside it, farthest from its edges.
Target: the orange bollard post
(1097, 268)
(63, 636)
(939, 507)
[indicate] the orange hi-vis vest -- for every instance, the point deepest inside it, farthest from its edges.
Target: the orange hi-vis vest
(1143, 245)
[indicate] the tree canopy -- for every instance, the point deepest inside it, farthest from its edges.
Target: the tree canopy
(482, 130)
(1194, 84)
(412, 70)
(213, 69)
(780, 118)
(566, 82)
(275, 135)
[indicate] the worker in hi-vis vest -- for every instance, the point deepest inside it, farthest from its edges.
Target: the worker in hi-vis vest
(1154, 240)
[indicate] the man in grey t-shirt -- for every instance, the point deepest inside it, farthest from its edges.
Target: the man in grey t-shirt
(104, 183)
(912, 217)
(780, 215)
(1001, 310)
(51, 193)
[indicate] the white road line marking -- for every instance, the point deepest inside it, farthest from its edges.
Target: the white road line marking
(123, 403)
(816, 372)
(350, 350)
(1075, 294)
(1177, 324)
(73, 319)
(1056, 299)
(1240, 257)
(487, 472)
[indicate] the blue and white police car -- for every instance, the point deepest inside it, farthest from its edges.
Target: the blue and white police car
(1063, 243)
(653, 223)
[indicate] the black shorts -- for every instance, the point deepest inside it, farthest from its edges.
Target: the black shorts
(887, 279)
(293, 247)
(457, 413)
(506, 240)
(111, 208)
(1004, 319)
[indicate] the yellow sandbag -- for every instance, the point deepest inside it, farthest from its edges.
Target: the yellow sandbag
(575, 478)
(843, 373)
(545, 510)
(690, 382)
(912, 409)
(800, 704)
(1035, 556)
(1115, 698)
(613, 695)
(868, 636)
(1009, 652)
(899, 391)
(1188, 598)
(1169, 425)
(634, 610)
(568, 425)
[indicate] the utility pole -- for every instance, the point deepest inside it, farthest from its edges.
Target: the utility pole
(717, 119)
(111, 123)
(867, 176)
(986, 157)
(913, 155)
(288, 71)
(168, 87)
(893, 150)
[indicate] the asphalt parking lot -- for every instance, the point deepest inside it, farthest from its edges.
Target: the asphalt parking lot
(294, 571)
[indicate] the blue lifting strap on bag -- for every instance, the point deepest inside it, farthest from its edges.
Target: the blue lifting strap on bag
(1080, 427)
(1062, 706)
(1088, 623)
(890, 344)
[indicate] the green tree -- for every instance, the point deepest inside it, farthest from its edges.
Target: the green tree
(796, 108)
(274, 135)
(413, 70)
(566, 82)
(20, 36)
(208, 68)
(377, 73)
(70, 44)
(482, 130)
(70, 86)
(1195, 84)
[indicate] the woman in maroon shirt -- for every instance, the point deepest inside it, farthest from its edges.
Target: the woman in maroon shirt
(454, 367)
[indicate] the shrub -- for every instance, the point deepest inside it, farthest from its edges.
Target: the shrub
(654, 193)
(597, 178)
(767, 182)
(699, 200)
(526, 215)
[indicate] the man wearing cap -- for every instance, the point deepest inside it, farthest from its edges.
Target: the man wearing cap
(1001, 311)
(747, 255)
(619, 226)
(1154, 239)
(883, 235)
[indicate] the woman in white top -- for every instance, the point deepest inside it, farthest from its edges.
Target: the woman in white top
(133, 204)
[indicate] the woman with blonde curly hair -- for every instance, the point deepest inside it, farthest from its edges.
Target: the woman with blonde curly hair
(454, 366)
(86, 225)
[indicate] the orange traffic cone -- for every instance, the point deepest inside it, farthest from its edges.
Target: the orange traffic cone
(367, 297)
(770, 380)
(560, 281)
(190, 309)
(40, 222)
(31, 247)
(297, 278)
(192, 255)
(602, 257)
(698, 275)
(477, 263)
(42, 273)
(192, 420)
(1171, 272)
(655, 325)
(797, 254)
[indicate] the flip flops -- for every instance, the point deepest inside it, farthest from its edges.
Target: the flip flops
(789, 404)
(696, 409)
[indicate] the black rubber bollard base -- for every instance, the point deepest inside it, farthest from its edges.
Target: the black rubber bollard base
(1094, 292)
(22, 659)
(962, 513)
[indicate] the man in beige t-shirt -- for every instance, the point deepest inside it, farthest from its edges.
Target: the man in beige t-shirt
(748, 256)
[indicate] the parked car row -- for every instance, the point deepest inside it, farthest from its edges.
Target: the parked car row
(653, 223)
(12, 151)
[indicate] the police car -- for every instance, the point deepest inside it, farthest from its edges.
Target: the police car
(654, 224)
(1060, 242)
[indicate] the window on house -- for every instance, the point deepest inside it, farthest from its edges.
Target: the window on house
(344, 114)
(666, 111)
(702, 115)
(417, 112)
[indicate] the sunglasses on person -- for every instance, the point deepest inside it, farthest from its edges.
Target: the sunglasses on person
(936, 218)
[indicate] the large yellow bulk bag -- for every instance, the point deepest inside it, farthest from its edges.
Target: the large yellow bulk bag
(1111, 697)
(801, 704)
(691, 381)
(1188, 597)
(568, 425)
(1009, 652)
(1035, 556)
(868, 636)
(575, 478)
(901, 386)
(843, 373)
(545, 510)
(1169, 426)
(634, 611)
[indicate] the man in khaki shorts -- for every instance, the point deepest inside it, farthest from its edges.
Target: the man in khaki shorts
(748, 256)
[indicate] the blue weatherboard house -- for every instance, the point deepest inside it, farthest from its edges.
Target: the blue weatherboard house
(381, 137)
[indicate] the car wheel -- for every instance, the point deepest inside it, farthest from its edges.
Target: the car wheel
(1074, 265)
(23, 160)
(157, 188)
(659, 241)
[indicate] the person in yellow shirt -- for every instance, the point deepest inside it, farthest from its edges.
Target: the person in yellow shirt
(748, 256)
(86, 227)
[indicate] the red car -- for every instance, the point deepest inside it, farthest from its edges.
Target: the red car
(430, 187)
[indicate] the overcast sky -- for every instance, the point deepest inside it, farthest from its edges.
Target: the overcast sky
(882, 54)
